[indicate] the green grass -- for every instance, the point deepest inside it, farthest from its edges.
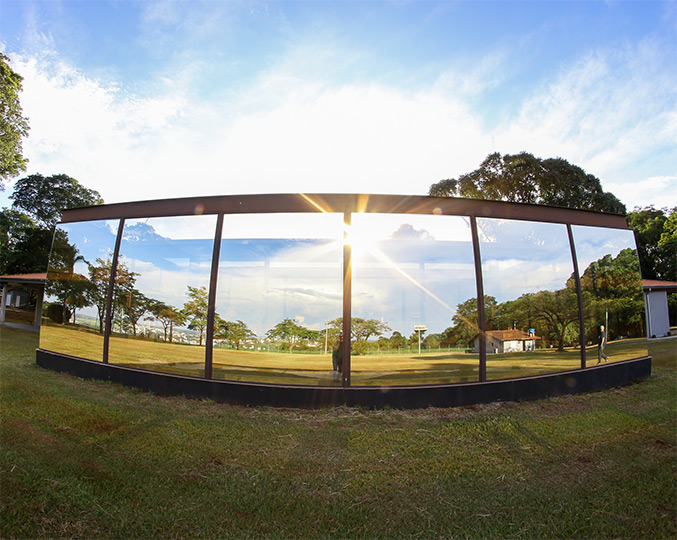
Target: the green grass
(85, 459)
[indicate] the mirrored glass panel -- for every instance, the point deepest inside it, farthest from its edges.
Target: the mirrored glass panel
(530, 298)
(161, 292)
(77, 287)
(613, 301)
(414, 306)
(279, 298)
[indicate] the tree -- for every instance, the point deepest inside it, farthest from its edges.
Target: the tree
(13, 125)
(235, 332)
(527, 179)
(465, 319)
(44, 198)
(656, 235)
(133, 305)
(196, 309)
(24, 246)
(361, 330)
(292, 333)
(168, 316)
(555, 312)
(99, 276)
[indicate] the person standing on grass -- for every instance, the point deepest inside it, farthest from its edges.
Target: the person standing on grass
(601, 343)
(337, 357)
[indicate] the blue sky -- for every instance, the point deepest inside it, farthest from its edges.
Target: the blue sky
(143, 100)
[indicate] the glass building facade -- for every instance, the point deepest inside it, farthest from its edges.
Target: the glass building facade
(425, 291)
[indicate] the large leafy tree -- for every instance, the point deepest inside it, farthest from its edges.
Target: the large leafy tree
(27, 228)
(291, 332)
(196, 309)
(527, 179)
(361, 330)
(13, 125)
(465, 319)
(24, 246)
(168, 316)
(656, 234)
(44, 198)
(99, 277)
(234, 332)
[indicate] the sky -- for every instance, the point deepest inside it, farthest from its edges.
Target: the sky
(146, 100)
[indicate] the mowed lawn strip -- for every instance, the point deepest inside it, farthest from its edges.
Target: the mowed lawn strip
(316, 369)
(87, 459)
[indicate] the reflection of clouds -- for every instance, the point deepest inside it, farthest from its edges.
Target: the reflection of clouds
(283, 225)
(386, 226)
(508, 280)
(593, 243)
(170, 287)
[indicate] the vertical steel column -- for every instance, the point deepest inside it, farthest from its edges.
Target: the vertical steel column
(579, 295)
(211, 305)
(108, 323)
(481, 323)
(347, 299)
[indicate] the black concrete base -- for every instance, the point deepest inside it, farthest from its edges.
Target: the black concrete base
(452, 395)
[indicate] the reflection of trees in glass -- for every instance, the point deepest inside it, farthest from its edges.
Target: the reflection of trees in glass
(236, 333)
(133, 304)
(553, 313)
(613, 285)
(99, 276)
(168, 316)
(292, 333)
(71, 289)
(361, 330)
(196, 309)
(465, 320)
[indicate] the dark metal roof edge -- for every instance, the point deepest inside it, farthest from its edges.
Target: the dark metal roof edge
(340, 202)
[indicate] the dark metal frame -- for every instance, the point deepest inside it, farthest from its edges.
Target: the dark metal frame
(348, 204)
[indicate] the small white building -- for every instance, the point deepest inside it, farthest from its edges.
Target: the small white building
(656, 302)
(503, 341)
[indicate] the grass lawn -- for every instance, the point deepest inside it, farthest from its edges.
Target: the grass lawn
(315, 369)
(86, 459)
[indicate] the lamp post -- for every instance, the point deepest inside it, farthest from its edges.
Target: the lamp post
(420, 328)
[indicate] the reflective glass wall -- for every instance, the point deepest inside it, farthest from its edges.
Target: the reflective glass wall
(613, 302)
(77, 288)
(531, 305)
(275, 294)
(279, 298)
(413, 294)
(160, 299)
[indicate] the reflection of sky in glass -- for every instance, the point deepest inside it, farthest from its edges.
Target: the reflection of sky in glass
(277, 266)
(411, 269)
(93, 240)
(521, 257)
(166, 265)
(593, 243)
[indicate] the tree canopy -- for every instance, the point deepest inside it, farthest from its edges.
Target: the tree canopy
(44, 198)
(13, 125)
(656, 234)
(525, 178)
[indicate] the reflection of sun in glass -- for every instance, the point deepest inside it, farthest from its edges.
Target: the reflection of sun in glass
(364, 243)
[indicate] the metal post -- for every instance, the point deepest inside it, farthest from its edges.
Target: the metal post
(579, 294)
(347, 298)
(211, 303)
(108, 323)
(481, 323)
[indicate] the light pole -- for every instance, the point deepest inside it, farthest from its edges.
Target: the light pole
(420, 328)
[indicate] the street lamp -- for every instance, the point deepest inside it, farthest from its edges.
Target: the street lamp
(420, 328)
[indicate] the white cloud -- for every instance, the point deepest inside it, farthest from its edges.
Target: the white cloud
(288, 132)
(661, 191)
(606, 113)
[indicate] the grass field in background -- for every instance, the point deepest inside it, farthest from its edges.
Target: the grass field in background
(88, 459)
(432, 367)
